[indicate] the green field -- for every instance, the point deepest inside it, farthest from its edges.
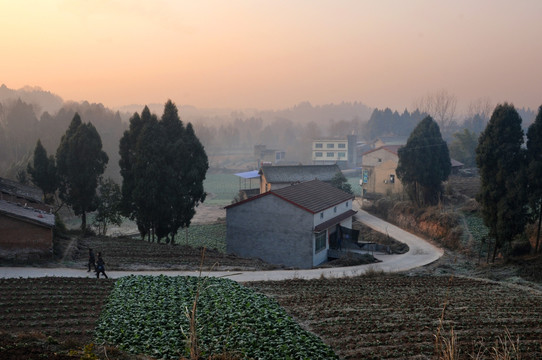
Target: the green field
(222, 188)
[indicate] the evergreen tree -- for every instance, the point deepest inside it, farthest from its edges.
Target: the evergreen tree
(340, 182)
(501, 162)
(43, 172)
(128, 157)
(534, 172)
(163, 165)
(424, 163)
(80, 163)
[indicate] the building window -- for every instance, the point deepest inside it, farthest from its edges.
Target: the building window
(335, 209)
(330, 154)
(321, 215)
(330, 146)
(347, 204)
(318, 154)
(342, 155)
(342, 146)
(318, 145)
(379, 160)
(392, 178)
(320, 241)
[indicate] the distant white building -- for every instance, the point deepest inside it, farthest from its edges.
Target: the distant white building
(340, 151)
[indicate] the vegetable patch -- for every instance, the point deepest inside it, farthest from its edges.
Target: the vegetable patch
(146, 314)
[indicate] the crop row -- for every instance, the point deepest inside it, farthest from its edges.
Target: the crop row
(394, 316)
(147, 314)
(70, 311)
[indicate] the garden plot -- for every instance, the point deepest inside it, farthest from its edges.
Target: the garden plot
(396, 317)
(150, 315)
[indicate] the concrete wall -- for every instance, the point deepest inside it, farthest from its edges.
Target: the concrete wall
(20, 240)
(271, 229)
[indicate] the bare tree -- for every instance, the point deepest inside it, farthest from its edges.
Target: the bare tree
(441, 105)
(482, 107)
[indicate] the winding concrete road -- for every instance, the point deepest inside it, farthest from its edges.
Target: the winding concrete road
(421, 253)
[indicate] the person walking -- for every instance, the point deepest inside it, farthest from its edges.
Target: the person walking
(100, 266)
(91, 260)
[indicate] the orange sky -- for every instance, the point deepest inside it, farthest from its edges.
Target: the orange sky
(274, 54)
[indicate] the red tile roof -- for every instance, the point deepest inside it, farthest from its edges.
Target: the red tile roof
(313, 196)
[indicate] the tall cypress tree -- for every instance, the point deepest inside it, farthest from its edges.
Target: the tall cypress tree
(163, 165)
(43, 172)
(534, 172)
(501, 162)
(424, 163)
(80, 163)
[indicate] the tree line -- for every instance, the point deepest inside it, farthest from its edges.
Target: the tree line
(510, 166)
(511, 176)
(162, 164)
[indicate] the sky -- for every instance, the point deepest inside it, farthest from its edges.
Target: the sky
(274, 54)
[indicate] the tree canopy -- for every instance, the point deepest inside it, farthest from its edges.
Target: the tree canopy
(424, 163)
(43, 172)
(463, 147)
(80, 163)
(534, 171)
(340, 182)
(501, 162)
(163, 165)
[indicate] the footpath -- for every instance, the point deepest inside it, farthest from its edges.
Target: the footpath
(420, 253)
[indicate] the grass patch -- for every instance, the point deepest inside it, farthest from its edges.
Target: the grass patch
(222, 188)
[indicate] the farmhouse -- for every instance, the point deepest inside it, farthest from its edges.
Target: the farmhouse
(25, 233)
(378, 171)
(276, 177)
(289, 226)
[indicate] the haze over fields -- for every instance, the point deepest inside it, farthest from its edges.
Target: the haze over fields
(274, 54)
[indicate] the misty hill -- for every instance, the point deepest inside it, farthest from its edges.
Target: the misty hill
(40, 99)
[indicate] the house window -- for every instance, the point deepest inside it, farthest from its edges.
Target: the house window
(318, 145)
(342, 154)
(319, 154)
(347, 204)
(320, 241)
(379, 160)
(342, 146)
(330, 146)
(392, 178)
(335, 209)
(330, 154)
(321, 215)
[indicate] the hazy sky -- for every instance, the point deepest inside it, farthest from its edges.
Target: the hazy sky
(274, 54)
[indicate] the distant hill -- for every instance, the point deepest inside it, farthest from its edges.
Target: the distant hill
(40, 99)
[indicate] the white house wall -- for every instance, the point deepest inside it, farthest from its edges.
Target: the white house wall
(329, 214)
